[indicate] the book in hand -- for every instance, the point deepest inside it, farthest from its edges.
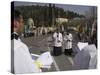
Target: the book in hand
(45, 59)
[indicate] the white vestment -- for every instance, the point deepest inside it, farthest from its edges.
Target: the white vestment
(57, 37)
(68, 41)
(23, 62)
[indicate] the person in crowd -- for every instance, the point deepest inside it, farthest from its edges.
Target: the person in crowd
(21, 60)
(68, 43)
(57, 39)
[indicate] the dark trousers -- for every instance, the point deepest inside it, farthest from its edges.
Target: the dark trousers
(57, 51)
(68, 52)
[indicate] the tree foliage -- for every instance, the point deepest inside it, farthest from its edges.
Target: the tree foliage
(45, 15)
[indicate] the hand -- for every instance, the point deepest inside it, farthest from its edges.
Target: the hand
(59, 41)
(68, 40)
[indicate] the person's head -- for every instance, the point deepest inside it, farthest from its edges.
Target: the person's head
(67, 32)
(57, 30)
(17, 22)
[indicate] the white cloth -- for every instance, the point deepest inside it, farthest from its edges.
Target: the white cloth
(56, 39)
(68, 44)
(81, 45)
(23, 62)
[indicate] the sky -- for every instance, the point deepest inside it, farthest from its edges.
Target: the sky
(76, 8)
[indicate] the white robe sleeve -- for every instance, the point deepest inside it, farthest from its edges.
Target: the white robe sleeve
(61, 37)
(22, 60)
(70, 37)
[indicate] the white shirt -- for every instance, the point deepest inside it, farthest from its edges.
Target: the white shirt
(68, 44)
(57, 37)
(23, 62)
